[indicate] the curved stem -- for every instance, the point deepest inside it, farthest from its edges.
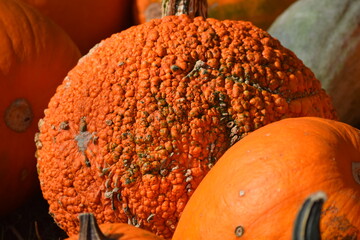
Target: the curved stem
(193, 8)
(89, 229)
(307, 223)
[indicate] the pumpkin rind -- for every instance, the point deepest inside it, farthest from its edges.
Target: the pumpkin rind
(150, 110)
(87, 21)
(261, 181)
(260, 12)
(326, 36)
(35, 57)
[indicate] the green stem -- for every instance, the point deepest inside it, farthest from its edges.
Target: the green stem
(193, 8)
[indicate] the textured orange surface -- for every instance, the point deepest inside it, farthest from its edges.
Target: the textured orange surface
(137, 124)
(261, 182)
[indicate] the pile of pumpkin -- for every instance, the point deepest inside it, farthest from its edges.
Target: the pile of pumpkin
(184, 126)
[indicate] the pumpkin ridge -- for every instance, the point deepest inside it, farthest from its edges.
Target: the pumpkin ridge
(295, 96)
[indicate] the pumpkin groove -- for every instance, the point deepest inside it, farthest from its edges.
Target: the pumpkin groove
(151, 109)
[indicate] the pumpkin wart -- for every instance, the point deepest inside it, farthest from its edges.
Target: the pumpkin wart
(168, 127)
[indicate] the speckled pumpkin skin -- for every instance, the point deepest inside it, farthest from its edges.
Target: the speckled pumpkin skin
(142, 118)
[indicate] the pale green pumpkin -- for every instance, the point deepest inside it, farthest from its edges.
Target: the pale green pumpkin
(326, 36)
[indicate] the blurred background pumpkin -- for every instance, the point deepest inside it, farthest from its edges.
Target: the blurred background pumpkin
(326, 36)
(87, 21)
(35, 56)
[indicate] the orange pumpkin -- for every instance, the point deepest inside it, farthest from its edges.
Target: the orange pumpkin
(260, 12)
(35, 57)
(260, 182)
(148, 112)
(87, 21)
(90, 230)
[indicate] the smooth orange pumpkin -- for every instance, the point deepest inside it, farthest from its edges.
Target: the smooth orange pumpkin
(260, 12)
(35, 56)
(148, 112)
(261, 181)
(90, 230)
(87, 21)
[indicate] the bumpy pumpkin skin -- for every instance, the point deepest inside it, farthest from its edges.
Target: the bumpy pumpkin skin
(87, 21)
(35, 57)
(326, 36)
(260, 12)
(141, 119)
(261, 181)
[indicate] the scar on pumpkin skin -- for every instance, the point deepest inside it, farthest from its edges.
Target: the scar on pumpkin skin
(18, 115)
(38, 143)
(333, 223)
(355, 166)
(239, 231)
(198, 65)
(83, 139)
(64, 125)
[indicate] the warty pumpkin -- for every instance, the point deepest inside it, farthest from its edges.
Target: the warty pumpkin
(259, 183)
(35, 56)
(87, 21)
(326, 36)
(135, 126)
(90, 230)
(260, 12)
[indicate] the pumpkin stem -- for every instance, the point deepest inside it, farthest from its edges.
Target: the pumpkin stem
(193, 8)
(89, 229)
(307, 223)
